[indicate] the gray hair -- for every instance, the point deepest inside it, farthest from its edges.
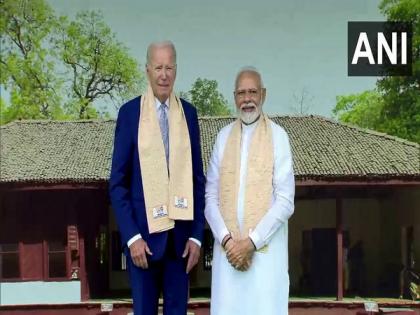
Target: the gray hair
(248, 69)
(162, 44)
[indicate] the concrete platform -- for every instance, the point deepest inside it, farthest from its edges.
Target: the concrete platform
(297, 306)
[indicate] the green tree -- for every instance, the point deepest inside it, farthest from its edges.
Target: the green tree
(401, 95)
(26, 61)
(205, 96)
(98, 65)
(362, 109)
(3, 115)
(55, 68)
(394, 106)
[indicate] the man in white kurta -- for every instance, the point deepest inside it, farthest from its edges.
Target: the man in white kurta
(258, 284)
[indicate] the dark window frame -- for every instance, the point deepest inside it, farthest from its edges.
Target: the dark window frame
(18, 252)
(45, 276)
(46, 261)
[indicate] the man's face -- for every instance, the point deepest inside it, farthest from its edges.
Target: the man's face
(249, 97)
(161, 72)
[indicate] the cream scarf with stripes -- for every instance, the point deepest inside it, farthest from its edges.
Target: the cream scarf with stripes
(259, 177)
(167, 197)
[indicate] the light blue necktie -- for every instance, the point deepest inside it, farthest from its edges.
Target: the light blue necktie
(164, 129)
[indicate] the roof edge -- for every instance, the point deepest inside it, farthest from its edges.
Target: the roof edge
(50, 121)
(364, 130)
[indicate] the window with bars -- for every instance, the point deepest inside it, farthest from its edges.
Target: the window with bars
(9, 261)
(57, 259)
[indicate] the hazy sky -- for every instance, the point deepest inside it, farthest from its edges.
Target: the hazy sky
(296, 45)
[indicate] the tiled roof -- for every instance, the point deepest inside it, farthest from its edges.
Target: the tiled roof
(80, 151)
(56, 151)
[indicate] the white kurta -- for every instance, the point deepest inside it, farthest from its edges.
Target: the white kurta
(264, 288)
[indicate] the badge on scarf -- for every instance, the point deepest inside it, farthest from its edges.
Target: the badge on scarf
(160, 212)
(181, 202)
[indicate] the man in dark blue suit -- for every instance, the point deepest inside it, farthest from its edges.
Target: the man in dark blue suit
(159, 257)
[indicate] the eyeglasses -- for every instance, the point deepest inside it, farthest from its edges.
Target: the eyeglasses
(160, 68)
(250, 92)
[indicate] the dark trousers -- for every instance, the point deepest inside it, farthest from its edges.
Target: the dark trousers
(168, 276)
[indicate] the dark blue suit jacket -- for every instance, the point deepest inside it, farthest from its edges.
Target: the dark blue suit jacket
(126, 188)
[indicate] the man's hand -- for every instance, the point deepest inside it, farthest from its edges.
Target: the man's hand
(228, 238)
(192, 250)
(138, 251)
(239, 253)
(246, 264)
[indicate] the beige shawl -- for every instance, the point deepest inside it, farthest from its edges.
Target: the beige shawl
(167, 197)
(259, 177)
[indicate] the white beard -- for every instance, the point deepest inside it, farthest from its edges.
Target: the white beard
(249, 117)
